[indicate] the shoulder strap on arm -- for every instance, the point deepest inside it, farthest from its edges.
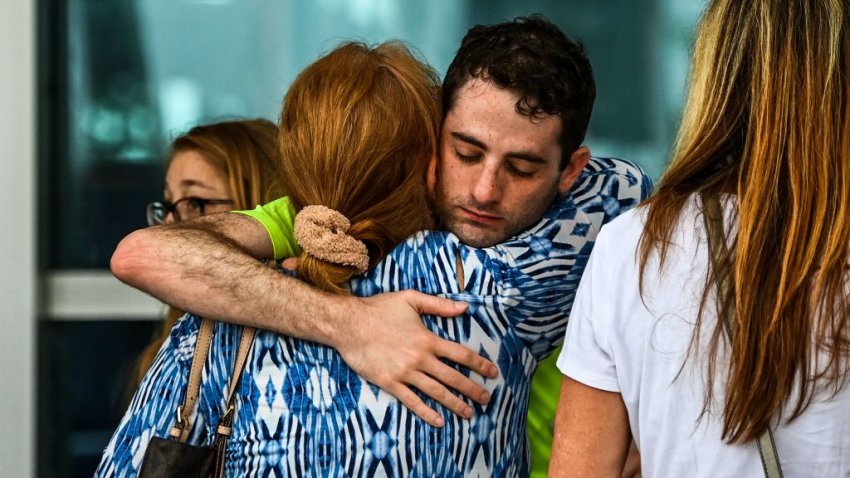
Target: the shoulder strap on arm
(180, 430)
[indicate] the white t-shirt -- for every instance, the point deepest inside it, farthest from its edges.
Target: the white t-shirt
(621, 342)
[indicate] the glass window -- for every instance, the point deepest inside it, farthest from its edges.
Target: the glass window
(130, 75)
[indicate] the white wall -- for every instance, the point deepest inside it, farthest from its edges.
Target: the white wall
(17, 238)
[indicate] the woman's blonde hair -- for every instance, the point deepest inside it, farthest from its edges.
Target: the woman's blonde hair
(246, 152)
(357, 131)
(768, 119)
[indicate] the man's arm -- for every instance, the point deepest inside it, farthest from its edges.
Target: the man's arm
(208, 266)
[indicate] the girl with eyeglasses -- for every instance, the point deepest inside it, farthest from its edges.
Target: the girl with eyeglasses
(213, 168)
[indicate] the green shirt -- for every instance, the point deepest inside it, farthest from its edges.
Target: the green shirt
(278, 218)
(542, 402)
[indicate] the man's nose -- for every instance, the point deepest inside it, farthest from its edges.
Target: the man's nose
(487, 188)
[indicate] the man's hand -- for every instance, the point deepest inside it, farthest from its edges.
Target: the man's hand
(385, 342)
(206, 266)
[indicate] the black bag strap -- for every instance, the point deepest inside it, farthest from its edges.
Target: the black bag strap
(713, 216)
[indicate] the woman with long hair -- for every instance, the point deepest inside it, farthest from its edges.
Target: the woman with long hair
(712, 323)
(213, 168)
(357, 132)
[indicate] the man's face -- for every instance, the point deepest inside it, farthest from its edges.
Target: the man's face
(498, 171)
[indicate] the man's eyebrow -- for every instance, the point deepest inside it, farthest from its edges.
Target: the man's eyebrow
(521, 155)
(530, 157)
(469, 139)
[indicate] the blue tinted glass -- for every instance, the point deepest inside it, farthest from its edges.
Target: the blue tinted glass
(86, 374)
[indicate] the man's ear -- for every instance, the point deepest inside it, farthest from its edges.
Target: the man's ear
(431, 176)
(578, 160)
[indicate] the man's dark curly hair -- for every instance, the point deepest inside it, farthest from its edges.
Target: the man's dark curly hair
(533, 58)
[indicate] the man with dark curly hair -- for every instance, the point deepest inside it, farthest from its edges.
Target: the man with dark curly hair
(523, 201)
(530, 64)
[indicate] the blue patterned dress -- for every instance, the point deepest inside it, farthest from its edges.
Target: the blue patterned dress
(303, 412)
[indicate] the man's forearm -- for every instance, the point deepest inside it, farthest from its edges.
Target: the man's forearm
(195, 267)
(211, 267)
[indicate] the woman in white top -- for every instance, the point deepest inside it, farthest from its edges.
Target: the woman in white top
(751, 223)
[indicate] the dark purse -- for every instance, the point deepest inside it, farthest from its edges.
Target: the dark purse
(174, 458)
(167, 458)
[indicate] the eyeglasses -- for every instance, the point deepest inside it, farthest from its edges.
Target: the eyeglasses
(183, 209)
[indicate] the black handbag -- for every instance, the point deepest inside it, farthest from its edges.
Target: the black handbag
(167, 458)
(173, 457)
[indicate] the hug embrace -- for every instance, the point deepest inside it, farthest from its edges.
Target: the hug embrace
(442, 234)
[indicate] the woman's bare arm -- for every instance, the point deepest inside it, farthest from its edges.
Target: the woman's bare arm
(592, 434)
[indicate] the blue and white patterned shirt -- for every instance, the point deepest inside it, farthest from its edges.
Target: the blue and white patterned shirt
(303, 412)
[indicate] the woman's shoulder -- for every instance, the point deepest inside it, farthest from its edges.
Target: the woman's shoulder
(611, 185)
(410, 265)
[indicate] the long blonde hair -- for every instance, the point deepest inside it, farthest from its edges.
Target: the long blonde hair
(246, 152)
(768, 118)
(357, 131)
